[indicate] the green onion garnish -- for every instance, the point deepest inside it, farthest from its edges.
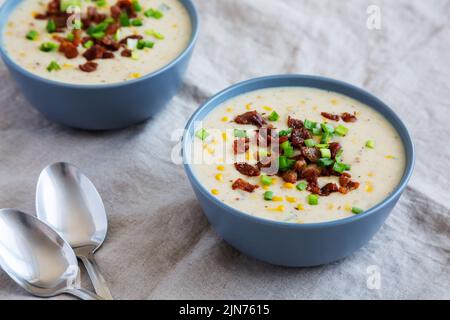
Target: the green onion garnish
(53, 66)
(340, 167)
(70, 37)
(284, 163)
(51, 26)
(65, 4)
(310, 143)
(317, 131)
(356, 210)
(153, 13)
(48, 46)
(32, 35)
(88, 44)
(144, 44)
(136, 5)
(98, 35)
(341, 130)
(309, 124)
(326, 153)
(124, 20)
(370, 144)
(322, 145)
(313, 199)
(135, 55)
(157, 35)
(325, 162)
(327, 128)
(268, 195)
(202, 134)
(287, 148)
(137, 23)
(266, 180)
(325, 137)
(240, 133)
(284, 133)
(101, 3)
(274, 116)
(301, 186)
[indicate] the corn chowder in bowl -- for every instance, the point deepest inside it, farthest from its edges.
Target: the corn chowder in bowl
(98, 65)
(297, 170)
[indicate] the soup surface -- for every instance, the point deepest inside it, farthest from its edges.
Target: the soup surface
(118, 40)
(329, 156)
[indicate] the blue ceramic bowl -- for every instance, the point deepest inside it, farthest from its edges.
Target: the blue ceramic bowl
(289, 244)
(103, 106)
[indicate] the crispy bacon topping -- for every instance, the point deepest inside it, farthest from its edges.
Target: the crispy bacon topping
(126, 53)
(328, 189)
(88, 66)
(241, 145)
(311, 153)
(347, 117)
(243, 185)
(294, 123)
(299, 135)
(247, 169)
(94, 52)
(69, 49)
(251, 117)
(334, 147)
(290, 176)
(330, 116)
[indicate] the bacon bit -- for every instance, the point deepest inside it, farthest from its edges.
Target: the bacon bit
(54, 7)
(109, 44)
(311, 153)
(112, 29)
(329, 189)
(247, 169)
(115, 12)
(344, 179)
(88, 66)
(334, 147)
(298, 136)
(347, 117)
(299, 165)
(126, 53)
(290, 176)
(108, 55)
(333, 117)
(76, 37)
(264, 136)
(69, 49)
(283, 139)
(241, 145)
(251, 117)
(244, 185)
(294, 123)
(127, 6)
(133, 36)
(40, 16)
(94, 16)
(94, 52)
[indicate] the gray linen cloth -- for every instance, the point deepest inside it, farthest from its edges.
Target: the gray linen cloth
(160, 246)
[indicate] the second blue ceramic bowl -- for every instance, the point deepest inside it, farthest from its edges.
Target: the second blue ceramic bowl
(101, 107)
(284, 243)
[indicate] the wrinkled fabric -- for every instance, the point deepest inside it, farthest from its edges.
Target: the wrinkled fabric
(160, 245)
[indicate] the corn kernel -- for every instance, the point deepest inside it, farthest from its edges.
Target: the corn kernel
(348, 207)
(371, 174)
(279, 208)
(248, 156)
(288, 185)
(369, 186)
(225, 119)
(248, 106)
(274, 180)
(389, 157)
(215, 192)
(302, 101)
(267, 108)
(221, 168)
(224, 136)
(300, 207)
(67, 65)
(219, 177)
(277, 199)
(291, 199)
(229, 109)
(265, 187)
(330, 206)
(334, 102)
(135, 75)
(210, 150)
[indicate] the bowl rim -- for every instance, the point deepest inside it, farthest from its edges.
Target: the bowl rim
(195, 23)
(406, 140)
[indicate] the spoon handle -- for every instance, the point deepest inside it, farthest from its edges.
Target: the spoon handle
(96, 277)
(83, 294)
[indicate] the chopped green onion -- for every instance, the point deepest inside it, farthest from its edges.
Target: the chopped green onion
(340, 167)
(202, 134)
(144, 44)
(240, 133)
(77, 24)
(98, 35)
(310, 143)
(274, 116)
(88, 44)
(287, 148)
(268, 195)
(124, 20)
(48, 46)
(327, 128)
(53, 66)
(262, 153)
(322, 145)
(301, 186)
(370, 144)
(155, 34)
(117, 35)
(284, 133)
(135, 55)
(266, 180)
(51, 26)
(137, 7)
(313, 199)
(153, 13)
(341, 130)
(101, 3)
(356, 210)
(317, 131)
(325, 137)
(285, 145)
(309, 124)
(32, 35)
(325, 162)
(109, 20)
(326, 153)
(284, 163)
(65, 4)
(137, 23)
(70, 37)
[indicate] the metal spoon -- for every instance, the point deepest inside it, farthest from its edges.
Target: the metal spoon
(37, 258)
(68, 201)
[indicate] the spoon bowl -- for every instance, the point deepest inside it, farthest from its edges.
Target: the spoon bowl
(69, 202)
(37, 258)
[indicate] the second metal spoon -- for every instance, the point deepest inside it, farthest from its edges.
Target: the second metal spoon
(69, 202)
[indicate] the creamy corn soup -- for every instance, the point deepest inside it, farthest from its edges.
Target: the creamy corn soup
(118, 40)
(329, 156)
